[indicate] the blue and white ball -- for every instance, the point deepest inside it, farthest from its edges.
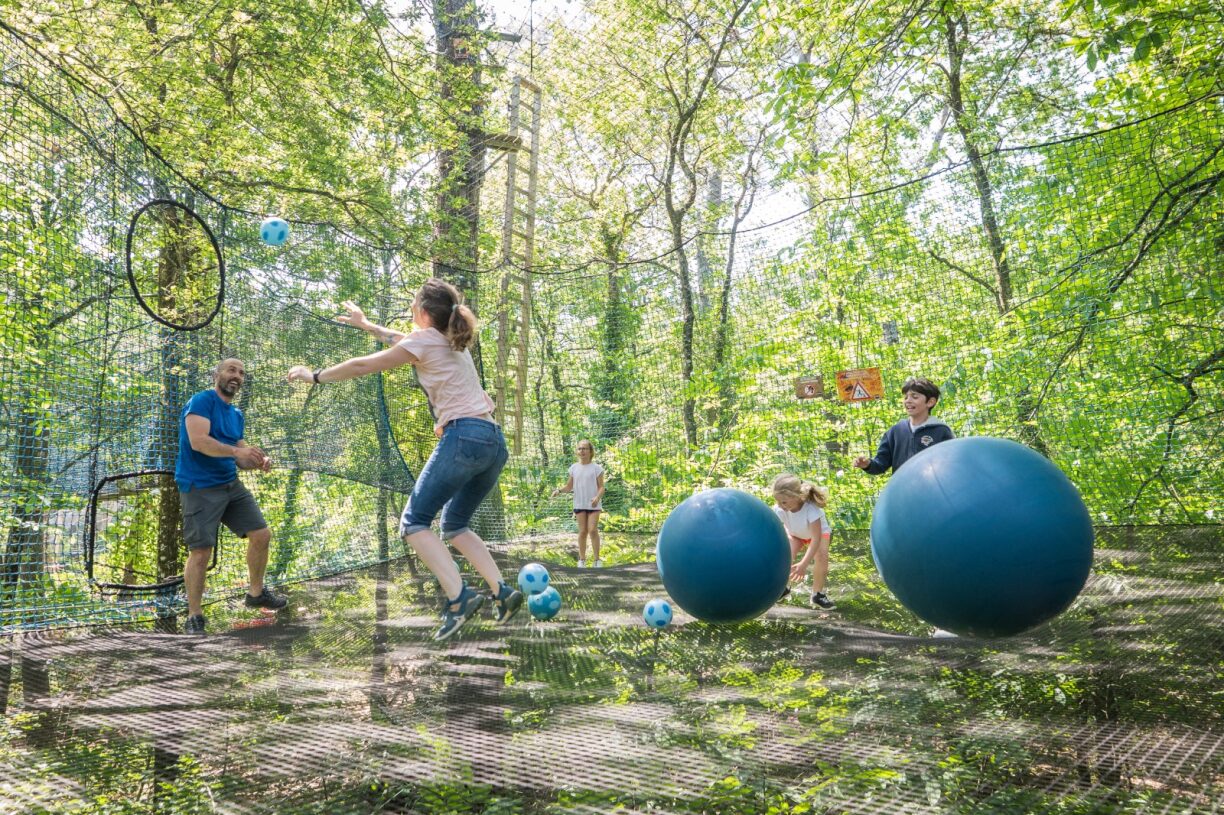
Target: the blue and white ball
(274, 231)
(657, 614)
(545, 605)
(533, 579)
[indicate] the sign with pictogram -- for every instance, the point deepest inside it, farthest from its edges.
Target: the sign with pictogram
(809, 387)
(860, 385)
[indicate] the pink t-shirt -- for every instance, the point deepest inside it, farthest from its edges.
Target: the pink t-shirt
(448, 377)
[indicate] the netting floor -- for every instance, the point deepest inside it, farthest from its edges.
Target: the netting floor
(342, 704)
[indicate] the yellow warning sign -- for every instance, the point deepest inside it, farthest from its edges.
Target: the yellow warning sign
(860, 385)
(809, 387)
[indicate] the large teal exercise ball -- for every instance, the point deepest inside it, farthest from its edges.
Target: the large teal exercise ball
(982, 536)
(723, 556)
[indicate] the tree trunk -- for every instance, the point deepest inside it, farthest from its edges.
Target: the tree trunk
(7, 654)
(460, 165)
(708, 241)
(24, 554)
(554, 369)
(981, 180)
(616, 413)
(173, 263)
(687, 327)
(957, 33)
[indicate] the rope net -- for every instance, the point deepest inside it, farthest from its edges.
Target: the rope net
(1094, 340)
(1060, 281)
(345, 707)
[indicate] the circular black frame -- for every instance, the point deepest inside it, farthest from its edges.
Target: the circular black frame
(91, 536)
(216, 249)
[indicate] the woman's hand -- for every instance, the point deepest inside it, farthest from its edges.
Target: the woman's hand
(355, 317)
(300, 373)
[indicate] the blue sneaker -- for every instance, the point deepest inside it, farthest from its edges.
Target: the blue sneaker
(507, 602)
(458, 611)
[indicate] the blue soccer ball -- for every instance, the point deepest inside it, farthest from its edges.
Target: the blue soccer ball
(274, 231)
(657, 613)
(545, 605)
(533, 579)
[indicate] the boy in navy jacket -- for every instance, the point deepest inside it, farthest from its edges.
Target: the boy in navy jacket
(913, 434)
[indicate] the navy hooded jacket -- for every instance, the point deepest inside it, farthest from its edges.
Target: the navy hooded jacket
(899, 444)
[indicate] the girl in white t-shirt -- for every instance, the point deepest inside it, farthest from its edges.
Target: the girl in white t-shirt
(801, 508)
(586, 482)
(471, 450)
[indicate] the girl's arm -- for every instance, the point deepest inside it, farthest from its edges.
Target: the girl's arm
(808, 555)
(599, 482)
(569, 487)
(355, 367)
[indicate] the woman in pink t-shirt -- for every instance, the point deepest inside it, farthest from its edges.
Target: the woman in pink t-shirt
(471, 449)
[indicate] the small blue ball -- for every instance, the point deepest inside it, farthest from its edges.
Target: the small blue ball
(657, 614)
(545, 605)
(274, 231)
(533, 579)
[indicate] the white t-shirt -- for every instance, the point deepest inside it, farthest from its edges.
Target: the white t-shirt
(586, 484)
(448, 377)
(805, 524)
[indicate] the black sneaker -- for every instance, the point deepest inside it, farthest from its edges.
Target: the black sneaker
(821, 599)
(458, 611)
(507, 602)
(194, 625)
(266, 599)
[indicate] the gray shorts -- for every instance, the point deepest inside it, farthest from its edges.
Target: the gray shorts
(204, 509)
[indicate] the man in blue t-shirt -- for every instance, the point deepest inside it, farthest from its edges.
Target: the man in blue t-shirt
(211, 451)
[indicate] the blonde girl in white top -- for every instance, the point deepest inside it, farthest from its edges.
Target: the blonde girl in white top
(586, 482)
(471, 450)
(801, 509)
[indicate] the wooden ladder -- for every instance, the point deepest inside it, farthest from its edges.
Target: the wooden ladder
(518, 248)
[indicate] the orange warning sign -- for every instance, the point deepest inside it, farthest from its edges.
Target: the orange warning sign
(860, 385)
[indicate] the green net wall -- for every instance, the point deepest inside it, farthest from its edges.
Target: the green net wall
(1106, 356)
(98, 362)
(1096, 340)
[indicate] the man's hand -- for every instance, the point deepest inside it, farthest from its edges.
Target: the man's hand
(251, 458)
(862, 462)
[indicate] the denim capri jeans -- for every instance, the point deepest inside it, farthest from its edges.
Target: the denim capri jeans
(462, 470)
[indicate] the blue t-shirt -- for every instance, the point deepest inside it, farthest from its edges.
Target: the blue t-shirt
(193, 469)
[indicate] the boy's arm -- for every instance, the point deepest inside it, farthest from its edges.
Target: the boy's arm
(882, 460)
